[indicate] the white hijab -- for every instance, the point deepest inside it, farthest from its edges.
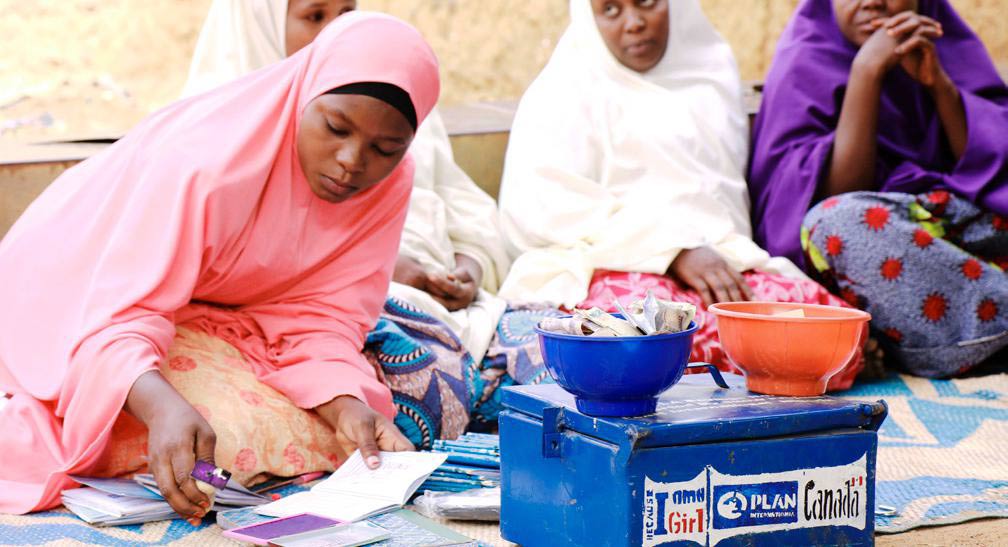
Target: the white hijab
(239, 36)
(610, 168)
(448, 213)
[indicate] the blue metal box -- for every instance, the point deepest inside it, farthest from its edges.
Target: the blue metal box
(711, 467)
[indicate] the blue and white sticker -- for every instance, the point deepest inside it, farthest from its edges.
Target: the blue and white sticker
(737, 506)
(675, 511)
(803, 498)
(715, 506)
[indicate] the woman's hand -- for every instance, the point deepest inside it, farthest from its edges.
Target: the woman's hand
(897, 40)
(177, 437)
(457, 289)
(878, 54)
(454, 290)
(704, 271)
(359, 427)
(916, 49)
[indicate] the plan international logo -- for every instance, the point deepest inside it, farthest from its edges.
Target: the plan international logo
(713, 506)
(755, 504)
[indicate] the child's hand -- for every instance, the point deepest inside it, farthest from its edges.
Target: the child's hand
(177, 436)
(704, 271)
(357, 426)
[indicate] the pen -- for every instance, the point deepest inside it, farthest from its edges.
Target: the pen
(306, 478)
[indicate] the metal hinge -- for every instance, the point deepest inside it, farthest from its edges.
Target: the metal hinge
(553, 426)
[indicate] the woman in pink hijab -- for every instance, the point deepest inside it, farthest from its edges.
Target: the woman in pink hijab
(266, 213)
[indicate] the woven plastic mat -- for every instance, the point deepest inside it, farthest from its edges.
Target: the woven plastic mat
(943, 459)
(943, 450)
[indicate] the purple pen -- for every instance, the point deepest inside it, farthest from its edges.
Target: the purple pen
(210, 474)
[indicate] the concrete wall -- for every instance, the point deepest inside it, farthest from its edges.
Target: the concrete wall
(492, 49)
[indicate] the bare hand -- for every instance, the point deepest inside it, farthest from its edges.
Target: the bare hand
(177, 436)
(457, 289)
(704, 271)
(918, 56)
(357, 426)
(882, 51)
(409, 272)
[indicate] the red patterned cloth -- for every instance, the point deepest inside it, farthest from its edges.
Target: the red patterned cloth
(607, 286)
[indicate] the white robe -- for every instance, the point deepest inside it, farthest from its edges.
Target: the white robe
(448, 213)
(608, 168)
(238, 36)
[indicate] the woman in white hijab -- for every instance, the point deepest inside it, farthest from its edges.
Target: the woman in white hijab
(624, 172)
(445, 342)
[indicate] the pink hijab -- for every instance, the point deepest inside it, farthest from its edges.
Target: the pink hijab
(203, 201)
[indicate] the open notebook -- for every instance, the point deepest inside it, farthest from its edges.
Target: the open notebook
(117, 502)
(355, 492)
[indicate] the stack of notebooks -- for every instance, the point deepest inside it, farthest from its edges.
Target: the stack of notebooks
(471, 461)
(117, 502)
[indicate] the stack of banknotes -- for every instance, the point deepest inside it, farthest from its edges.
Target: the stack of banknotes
(641, 318)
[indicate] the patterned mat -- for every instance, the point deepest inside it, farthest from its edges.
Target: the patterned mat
(61, 528)
(943, 450)
(943, 459)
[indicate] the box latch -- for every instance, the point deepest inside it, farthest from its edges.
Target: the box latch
(553, 426)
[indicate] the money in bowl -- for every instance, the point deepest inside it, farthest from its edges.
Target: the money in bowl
(610, 363)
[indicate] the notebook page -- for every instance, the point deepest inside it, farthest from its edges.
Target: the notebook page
(400, 474)
(334, 506)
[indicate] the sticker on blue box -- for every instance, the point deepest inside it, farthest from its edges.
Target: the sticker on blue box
(675, 511)
(714, 506)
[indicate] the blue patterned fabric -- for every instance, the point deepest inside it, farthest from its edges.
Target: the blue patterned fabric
(432, 377)
(942, 450)
(437, 387)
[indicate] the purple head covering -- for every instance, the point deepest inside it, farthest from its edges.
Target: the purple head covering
(793, 136)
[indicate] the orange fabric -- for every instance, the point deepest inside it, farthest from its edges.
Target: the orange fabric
(260, 433)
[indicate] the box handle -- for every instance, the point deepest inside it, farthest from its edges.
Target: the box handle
(714, 372)
(553, 426)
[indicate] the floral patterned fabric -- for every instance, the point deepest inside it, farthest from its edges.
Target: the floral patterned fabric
(930, 269)
(438, 391)
(259, 431)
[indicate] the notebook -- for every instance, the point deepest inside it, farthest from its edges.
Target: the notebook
(355, 492)
(352, 534)
(118, 502)
(408, 529)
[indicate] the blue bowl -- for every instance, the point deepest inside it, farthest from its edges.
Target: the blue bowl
(616, 376)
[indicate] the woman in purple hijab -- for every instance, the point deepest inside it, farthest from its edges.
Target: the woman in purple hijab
(880, 161)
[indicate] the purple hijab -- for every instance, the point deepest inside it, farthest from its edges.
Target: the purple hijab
(793, 134)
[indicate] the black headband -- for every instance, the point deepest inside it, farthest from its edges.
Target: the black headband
(390, 94)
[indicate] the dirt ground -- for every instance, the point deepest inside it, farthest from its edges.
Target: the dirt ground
(978, 533)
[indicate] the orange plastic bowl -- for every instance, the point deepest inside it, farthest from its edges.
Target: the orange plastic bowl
(788, 355)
